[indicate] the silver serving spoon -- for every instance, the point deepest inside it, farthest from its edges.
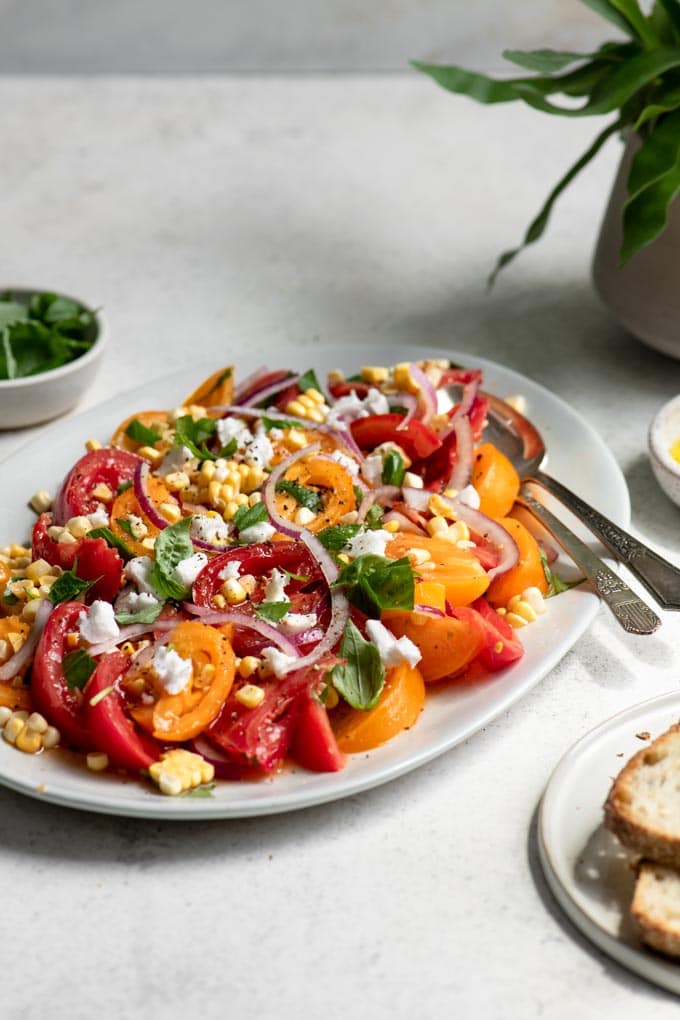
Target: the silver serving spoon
(522, 444)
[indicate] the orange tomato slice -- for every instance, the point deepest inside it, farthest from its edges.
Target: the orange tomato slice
(495, 479)
(447, 645)
(127, 503)
(122, 441)
(179, 717)
(458, 570)
(14, 627)
(335, 486)
(217, 389)
(398, 708)
(527, 573)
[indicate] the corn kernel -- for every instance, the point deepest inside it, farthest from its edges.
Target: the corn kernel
(501, 611)
(419, 556)
(335, 376)
(16, 640)
(16, 550)
(439, 506)
(150, 454)
(250, 695)
(296, 439)
(296, 408)
(305, 400)
(170, 511)
(93, 444)
(254, 497)
(37, 722)
(40, 501)
(149, 543)
(534, 596)
(180, 770)
(343, 557)
(219, 601)
(51, 737)
(103, 493)
(374, 374)
(403, 379)
(30, 611)
(79, 526)
(28, 741)
(230, 509)
(515, 620)
(436, 527)
(315, 396)
(249, 583)
(97, 761)
(391, 526)
(248, 665)
(316, 414)
(72, 639)
(35, 569)
(233, 591)
(304, 516)
(5, 715)
(208, 469)
(12, 728)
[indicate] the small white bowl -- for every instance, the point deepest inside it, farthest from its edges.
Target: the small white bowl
(663, 432)
(46, 395)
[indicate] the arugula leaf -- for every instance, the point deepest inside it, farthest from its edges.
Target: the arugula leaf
(194, 434)
(309, 381)
(247, 516)
(302, 495)
(148, 614)
(172, 546)
(336, 536)
(113, 540)
(141, 433)
(68, 586)
(373, 583)
(361, 679)
(279, 423)
(272, 612)
(78, 668)
(394, 469)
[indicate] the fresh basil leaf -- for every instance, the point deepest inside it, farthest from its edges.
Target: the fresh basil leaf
(361, 679)
(172, 546)
(78, 668)
(336, 536)
(68, 586)
(123, 487)
(374, 516)
(373, 583)
(226, 451)
(125, 524)
(279, 423)
(302, 495)
(43, 334)
(358, 493)
(247, 516)
(394, 469)
(11, 312)
(140, 433)
(9, 598)
(112, 540)
(303, 578)
(194, 434)
(205, 790)
(148, 614)
(272, 612)
(309, 381)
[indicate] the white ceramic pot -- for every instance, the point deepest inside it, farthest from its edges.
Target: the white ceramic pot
(644, 295)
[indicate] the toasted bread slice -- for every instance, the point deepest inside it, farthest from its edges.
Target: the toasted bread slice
(643, 806)
(656, 907)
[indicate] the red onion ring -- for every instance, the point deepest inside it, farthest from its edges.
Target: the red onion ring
(431, 610)
(260, 395)
(418, 499)
(13, 666)
(404, 523)
(427, 398)
(225, 767)
(129, 633)
(467, 400)
(281, 523)
(490, 530)
(465, 451)
(141, 484)
(410, 402)
(239, 619)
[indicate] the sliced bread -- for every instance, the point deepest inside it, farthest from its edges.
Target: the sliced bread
(656, 907)
(643, 806)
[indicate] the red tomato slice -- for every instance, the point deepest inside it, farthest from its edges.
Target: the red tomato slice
(502, 645)
(97, 561)
(314, 745)
(416, 440)
(476, 414)
(62, 706)
(110, 729)
(343, 389)
(60, 554)
(108, 466)
(460, 376)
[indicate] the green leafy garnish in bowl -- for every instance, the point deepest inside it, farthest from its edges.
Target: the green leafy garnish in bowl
(42, 331)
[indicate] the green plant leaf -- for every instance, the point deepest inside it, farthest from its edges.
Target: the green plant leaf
(609, 11)
(662, 104)
(656, 156)
(172, 546)
(538, 225)
(665, 18)
(12, 311)
(544, 61)
(141, 433)
(645, 216)
(480, 86)
(638, 21)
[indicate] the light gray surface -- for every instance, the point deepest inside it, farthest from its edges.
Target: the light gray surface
(205, 215)
(62, 36)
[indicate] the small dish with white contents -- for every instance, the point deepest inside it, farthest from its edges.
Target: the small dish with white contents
(664, 448)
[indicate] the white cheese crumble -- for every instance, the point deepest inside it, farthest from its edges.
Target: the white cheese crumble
(257, 533)
(131, 601)
(368, 543)
(176, 459)
(230, 571)
(207, 528)
(275, 589)
(173, 672)
(279, 662)
(259, 451)
(346, 462)
(137, 527)
(349, 408)
(372, 469)
(297, 623)
(233, 428)
(138, 570)
(187, 570)
(470, 497)
(98, 624)
(100, 517)
(392, 650)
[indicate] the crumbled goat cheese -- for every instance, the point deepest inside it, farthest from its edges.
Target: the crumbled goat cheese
(187, 570)
(297, 623)
(173, 672)
(346, 462)
(259, 451)
(130, 601)
(275, 589)
(138, 570)
(470, 497)
(279, 662)
(372, 469)
(392, 651)
(100, 517)
(350, 408)
(176, 459)
(368, 543)
(233, 428)
(257, 533)
(98, 623)
(230, 572)
(207, 528)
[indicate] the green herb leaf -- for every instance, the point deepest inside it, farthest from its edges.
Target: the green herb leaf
(147, 614)
(123, 487)
(9, 598)
(280, 423)
(272, 612)
(247, 516)
(78, 668)
(302, 495)
(555, 584)
(361, 679)
(172, 546)
(112, 540)
(42, 334)
(394, 469)
(336, 536)
(206, 790)
(373, 583)
(11, 312)
(194, 435)
(125, 524)
(68, 586)
(309, 381)
(140, 433)
(295, 577)
(374, 516)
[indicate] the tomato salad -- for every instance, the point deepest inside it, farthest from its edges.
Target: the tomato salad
(270, 572)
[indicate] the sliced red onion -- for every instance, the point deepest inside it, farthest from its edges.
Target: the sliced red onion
(306, 637)
(129, 633)
(282, 523)
(465, 450)
(210, 546)
(467, 400)
(418, 499)
(141, 483)
(427, 398)
(15, 664)
(341, 433)
(321, 555)
(226, 410)
(225, 767)
(258, 396)
(239, 619)
(383, 494)
(405, 524)
(490, 530)
(336, 628)
(430, 610)
(410, 402)
(249, 383)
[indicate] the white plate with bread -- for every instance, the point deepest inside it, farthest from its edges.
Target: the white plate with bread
(609, 838)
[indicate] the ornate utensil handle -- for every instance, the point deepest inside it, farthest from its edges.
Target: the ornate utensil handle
(659, 577)
(632, 613)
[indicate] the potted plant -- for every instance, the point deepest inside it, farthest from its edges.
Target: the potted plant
(635, 82)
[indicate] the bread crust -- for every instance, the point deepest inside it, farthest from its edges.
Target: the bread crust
(658, 932)
(621, 812)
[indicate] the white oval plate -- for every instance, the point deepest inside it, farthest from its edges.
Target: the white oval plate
(577, 456)
(586, 867)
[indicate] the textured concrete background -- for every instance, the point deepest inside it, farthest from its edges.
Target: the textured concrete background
(99, 36)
